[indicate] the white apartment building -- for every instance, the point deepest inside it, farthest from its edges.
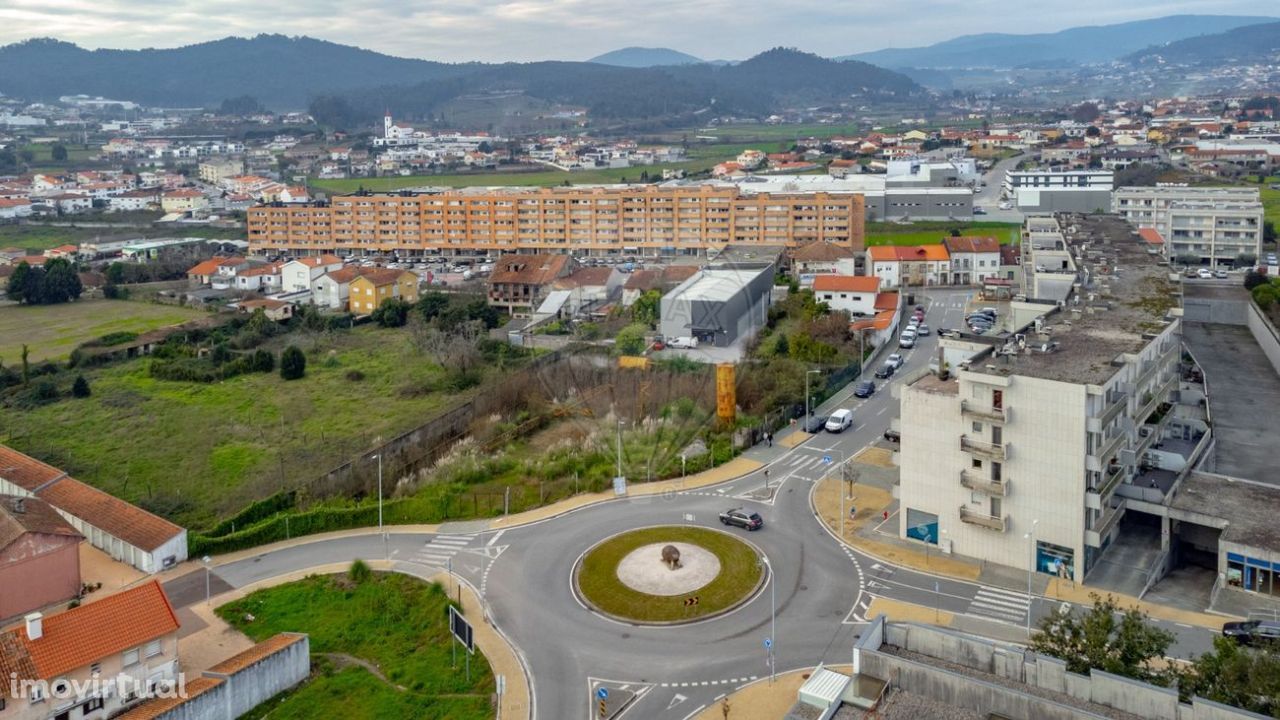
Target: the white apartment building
(1050, 191)
(1015, 453)
(1214, 224)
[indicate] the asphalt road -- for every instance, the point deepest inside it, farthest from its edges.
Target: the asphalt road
(817, 592)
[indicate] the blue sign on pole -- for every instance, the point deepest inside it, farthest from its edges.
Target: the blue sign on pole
(826, 459)
(602, 693)
(768, 643)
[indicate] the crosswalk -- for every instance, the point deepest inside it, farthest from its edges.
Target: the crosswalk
(441, 549)
(1000, 604)
(802, 463)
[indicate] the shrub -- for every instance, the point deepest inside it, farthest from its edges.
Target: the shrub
(293, 363)
(221, 354)
(393, 312)
(355, 375)
(80, 388)
(263, 361)
(359, 572)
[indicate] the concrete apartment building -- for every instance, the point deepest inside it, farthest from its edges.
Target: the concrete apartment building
(1053, 191)
(1213, 224)
(1026, 441)
(684, 220)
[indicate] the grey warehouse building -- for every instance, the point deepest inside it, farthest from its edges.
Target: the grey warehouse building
(719, 305)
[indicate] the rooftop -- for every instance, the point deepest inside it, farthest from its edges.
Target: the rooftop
(22, 515)
(255, 654)
(1120, 296)
(1247, 507)
(715, 284)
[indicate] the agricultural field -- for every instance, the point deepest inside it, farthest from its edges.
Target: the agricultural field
(51, 332)
(76, 153)
(211, 448)
(380, 647)
(923, 233)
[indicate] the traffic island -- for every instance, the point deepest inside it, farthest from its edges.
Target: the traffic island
(668, 575)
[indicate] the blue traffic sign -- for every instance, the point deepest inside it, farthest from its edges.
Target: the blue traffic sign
(826, 459)
(602, 693)
(768, 643)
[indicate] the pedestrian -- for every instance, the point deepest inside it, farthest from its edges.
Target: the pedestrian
(768, 437)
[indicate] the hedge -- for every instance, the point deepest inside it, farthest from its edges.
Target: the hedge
(257, 511)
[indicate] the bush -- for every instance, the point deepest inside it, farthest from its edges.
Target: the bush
(630, 340)
(293, 363)
(359, 572)
(80, 388)
(221, 354)
(263, 361)
(393, 312)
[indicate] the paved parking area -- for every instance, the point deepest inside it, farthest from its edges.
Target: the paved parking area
(1244, 392)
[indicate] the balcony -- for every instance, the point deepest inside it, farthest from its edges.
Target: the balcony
(1115, 404)
(983, 449)
(982, 519)
(1112, 478)
(987, 413)
(977, 482)
(1093, 538)
(1110, 448)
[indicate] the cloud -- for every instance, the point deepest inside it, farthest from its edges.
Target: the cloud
(520, 30)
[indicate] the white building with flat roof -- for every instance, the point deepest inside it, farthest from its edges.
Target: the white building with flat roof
(1212, 226)
(1051, 191)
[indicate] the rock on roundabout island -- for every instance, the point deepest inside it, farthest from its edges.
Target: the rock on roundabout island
(668, 575)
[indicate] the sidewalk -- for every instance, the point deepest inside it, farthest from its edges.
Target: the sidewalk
(764, 700)
(872, 500)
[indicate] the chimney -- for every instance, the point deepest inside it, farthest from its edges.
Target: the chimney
(19, 506)
(35, 626)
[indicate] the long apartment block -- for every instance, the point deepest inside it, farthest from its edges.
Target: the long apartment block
(1025, 448)
(600, 220)
(1215, 225)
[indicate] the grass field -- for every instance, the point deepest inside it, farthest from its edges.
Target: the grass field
(53, 331)
(923, 233)
(740, 574)
(76, 153)
(210, 449)
(396, 623)
(43, 237)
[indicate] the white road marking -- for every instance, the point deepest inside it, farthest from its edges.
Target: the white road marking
(495, 537)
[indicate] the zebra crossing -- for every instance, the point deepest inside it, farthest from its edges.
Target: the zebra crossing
(1003, 605)
(442, 548)
(803, 463)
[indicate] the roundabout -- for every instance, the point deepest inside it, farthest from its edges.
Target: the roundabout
(668, 575)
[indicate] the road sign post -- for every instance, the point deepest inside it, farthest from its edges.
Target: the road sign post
(602, 695)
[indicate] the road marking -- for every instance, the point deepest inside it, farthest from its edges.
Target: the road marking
(1000, 603)
(495, 537)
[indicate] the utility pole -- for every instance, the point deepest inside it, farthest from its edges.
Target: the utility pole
(619, 449)
(807, 410)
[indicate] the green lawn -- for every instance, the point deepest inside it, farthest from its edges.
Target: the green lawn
(196, 452)
(924, 233)
(43, 237)
(740, 574)
(53, 331)
(397, 623)
(76, 153)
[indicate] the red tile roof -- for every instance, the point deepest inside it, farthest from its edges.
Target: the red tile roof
(886, 301)
(819, 251)
(257, 653)
(383, 276)
(110, 514)
(899, 253)
(86, 634)
(847, 283)
(318, 260)
(1151, 236)
(159, 706)
(528, 269)
(22, 515)
(972, 244)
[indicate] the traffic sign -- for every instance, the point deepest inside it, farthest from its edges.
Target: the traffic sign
(461, 629)
(768, 643)
(826, 459)
(602, 693)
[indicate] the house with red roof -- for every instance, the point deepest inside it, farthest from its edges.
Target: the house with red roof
(39, 556)
(973, 259)
(221, 269)
(853, 294)
(904, 265)
(91, 661)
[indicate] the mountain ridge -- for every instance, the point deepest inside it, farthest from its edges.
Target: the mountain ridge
(643, 57)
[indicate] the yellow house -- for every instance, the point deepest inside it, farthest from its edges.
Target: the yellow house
(183, 200)
(370, 289)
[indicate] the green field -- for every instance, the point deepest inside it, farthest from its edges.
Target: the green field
(195, 452)
(76, 153)
(396, 623)
(52, 331)
(43, 237)
(740, 574)
(925, 233)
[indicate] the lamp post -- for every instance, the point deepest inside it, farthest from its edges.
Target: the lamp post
(207, 562)
(773, 614)
(381, 530)
(1031, 545)
(807, 411)
(620, 423)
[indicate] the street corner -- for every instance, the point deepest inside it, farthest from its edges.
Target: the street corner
(876, 457)
(795, 439)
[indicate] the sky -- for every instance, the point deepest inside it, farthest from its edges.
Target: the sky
(523, 30)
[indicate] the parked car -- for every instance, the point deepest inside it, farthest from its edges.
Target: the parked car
(741, 518)
(864, 389)
(1252, 631)
(892, 435)
(815, 424)
(977, 210)
(840, 420)
(895, 359)
(1190, 273)
(922, 329)
(1005, 206)
(885, 370)
(1220, 274)
(1204, 274)
(907, 339)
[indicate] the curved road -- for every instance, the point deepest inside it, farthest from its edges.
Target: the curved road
(822, 588)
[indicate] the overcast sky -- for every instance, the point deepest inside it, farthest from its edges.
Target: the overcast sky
(519, 30)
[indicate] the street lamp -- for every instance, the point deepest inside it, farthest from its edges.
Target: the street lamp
(207, 561)
(807, 411)
(1031, 545)
(773, 615)
(620, 424)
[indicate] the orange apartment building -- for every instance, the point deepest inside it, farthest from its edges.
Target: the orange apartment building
(584, 221)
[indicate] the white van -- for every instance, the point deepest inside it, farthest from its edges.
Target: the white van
(683, 342)
(839, 420)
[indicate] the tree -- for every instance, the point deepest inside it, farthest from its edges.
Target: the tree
(241, 105)
(1231, 674)
(1265, 295)
(630, 339)
(1253, 279)
(80, 388)
(1092, 131)
(1095, 638)
(293, 363)
(26, 365)
(221, 354)
(393, 312)
(17, 287)
(1245, 260)
(781, 347)
(58, 152)
(1268, 231)
(645, 308)
(431, 304)
(1085, 112)
(263, 361)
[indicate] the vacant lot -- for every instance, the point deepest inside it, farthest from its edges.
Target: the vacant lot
(42, 237)
(923, 233)
(53, 331)
(195, 451)
(395, 624)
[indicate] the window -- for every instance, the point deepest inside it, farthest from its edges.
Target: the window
(153, 648)
(95, 669)
(93, 705)
(977, 464)
(977, 427)
(130, 657)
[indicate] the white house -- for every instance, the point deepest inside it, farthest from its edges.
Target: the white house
(333, 289)
(134, 200)
(973, 259)
(899, 266)
(11, 208)
(263, 278)
(854, 294)
(822, 258)
(298, 275)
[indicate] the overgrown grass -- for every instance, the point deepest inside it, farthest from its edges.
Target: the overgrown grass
(740, 574)
(397, 623)
(197, 451)
(43, 237)
(924, 233)
(53, 331)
